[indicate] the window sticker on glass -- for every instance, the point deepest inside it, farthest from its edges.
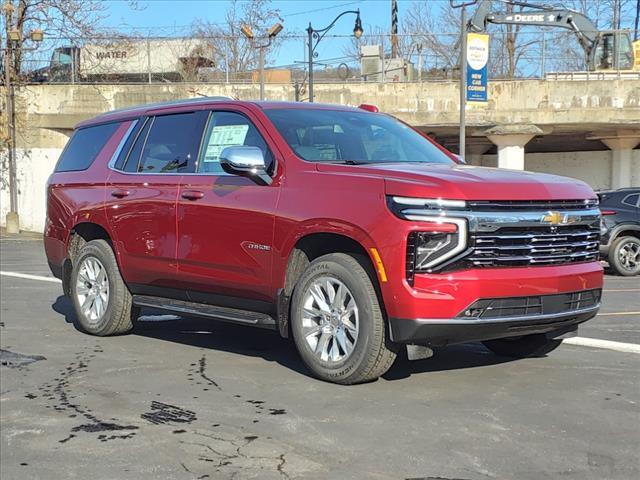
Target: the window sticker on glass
(224, 136)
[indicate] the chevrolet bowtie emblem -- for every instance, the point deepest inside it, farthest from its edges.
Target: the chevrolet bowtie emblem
(555, 218)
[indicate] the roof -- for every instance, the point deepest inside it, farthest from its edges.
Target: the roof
(139, 110)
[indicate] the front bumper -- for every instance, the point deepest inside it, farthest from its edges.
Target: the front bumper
(439, 332)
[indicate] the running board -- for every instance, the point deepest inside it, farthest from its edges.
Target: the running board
(225, 314)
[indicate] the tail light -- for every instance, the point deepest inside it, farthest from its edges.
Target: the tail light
(608, 212)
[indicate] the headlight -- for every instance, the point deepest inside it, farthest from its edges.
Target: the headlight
(438, 236)
(404, 207)
(437, 240)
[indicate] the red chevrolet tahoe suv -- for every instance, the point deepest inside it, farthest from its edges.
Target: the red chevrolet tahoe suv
(344, 229)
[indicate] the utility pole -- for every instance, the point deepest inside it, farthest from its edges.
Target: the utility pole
(635, 30)
(12, 220)
(13, 42)
(462, 4)
(463, 82)
(394, 28)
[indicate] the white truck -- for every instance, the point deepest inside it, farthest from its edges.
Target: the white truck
(131, 60)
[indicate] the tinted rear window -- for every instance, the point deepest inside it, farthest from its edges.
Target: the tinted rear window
(84, 147)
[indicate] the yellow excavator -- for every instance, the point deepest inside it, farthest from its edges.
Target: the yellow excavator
(604, 49)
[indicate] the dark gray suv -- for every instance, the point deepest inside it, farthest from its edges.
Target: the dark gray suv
(620, 229)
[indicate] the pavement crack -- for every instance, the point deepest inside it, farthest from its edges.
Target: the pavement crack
(202, 367)
(280, 466)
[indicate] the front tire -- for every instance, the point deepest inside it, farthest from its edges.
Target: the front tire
(624, 256)
(100, 297)
(337, 323)
(536, 345)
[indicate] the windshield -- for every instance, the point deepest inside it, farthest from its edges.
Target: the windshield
(338, 136)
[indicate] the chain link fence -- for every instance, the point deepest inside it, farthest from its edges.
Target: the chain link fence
(338, 59)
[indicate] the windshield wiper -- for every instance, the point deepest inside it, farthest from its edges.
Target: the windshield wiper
(349, 162)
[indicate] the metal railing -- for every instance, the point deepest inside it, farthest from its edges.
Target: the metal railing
(228, 60)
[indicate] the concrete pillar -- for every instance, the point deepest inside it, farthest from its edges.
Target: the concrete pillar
(621, 143)
(510, 140)
(476, 148)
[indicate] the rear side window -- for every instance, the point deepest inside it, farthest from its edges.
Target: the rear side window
(84, 147)
(172, 143)
(631, 200)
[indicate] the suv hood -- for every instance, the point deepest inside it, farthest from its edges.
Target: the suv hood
(466, 182)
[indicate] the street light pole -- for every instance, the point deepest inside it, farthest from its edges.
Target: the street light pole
(310, 54)
(317, 35)
(271, 34)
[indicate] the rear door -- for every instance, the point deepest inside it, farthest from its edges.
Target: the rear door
(226, 222)
(141, 197)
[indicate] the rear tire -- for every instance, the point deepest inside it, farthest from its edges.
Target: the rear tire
(100, 297)
(337, 323)
(624, 256)
(536, 345)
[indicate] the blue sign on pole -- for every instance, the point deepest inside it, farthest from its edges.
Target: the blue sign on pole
(477, 59)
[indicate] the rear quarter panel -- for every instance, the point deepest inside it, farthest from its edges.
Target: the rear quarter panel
(77, 197)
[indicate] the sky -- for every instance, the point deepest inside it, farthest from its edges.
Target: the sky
(296, 13)
(174, 17)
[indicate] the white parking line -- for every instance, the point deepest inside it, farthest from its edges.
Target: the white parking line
(606, 344)
(29, 277)
(579, 341)
(602, 314)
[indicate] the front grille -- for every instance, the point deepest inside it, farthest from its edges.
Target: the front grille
(529, 205)
(511, 247)
(534, 305)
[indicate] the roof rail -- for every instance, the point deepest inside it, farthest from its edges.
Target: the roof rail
(182, 101)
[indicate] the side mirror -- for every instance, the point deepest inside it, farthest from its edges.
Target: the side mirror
(246, 162)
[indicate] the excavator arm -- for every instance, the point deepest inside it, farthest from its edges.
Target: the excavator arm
(604, 50)
(541, 16)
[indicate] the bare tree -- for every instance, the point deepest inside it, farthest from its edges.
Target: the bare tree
(232, 50)
(57, 18)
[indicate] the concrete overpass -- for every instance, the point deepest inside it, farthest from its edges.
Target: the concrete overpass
(575, 115)
(589, 129)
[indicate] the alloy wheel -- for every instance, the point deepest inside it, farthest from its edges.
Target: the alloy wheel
(330, 319)
(629, 255)
(92, 289)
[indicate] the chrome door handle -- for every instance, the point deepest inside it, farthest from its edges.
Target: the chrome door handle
(192, 194)
(120, 193)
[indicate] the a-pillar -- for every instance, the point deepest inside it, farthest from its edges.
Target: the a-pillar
(625, 171)
(510, 140)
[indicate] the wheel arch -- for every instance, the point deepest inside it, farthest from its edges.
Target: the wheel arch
(623, 230)
(81, 233)
(311, 245)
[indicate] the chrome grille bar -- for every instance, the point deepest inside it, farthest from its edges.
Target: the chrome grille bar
(557, 245)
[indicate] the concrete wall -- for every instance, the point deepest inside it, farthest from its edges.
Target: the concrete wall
(46, 115)
(36, 165)
(34, 168)
(539, 102)
(593, 168)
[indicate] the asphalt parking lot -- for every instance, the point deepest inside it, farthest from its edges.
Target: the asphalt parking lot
(192, 399)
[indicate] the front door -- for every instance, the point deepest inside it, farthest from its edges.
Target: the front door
(226, 222)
